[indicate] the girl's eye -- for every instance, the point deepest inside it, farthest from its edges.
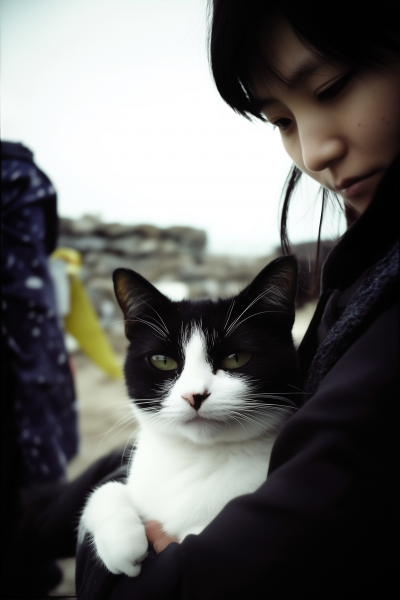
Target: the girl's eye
(335, 89)
(162, 362)
(236, 360)
(282, 124)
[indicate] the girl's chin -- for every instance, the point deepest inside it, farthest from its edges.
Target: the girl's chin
(358, 205)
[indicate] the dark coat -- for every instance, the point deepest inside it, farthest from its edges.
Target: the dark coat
(39, 430)
(325, 524)
(34, 357)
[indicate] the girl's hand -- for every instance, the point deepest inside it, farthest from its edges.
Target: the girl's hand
(157, 536)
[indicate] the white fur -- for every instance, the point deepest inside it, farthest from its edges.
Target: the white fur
(184, 469)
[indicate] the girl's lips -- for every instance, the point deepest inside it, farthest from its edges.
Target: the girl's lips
(359, 186)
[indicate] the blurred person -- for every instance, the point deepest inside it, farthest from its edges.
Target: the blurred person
(45, 405)
(39, 408)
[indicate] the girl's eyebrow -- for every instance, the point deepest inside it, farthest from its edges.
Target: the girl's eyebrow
(297, 75)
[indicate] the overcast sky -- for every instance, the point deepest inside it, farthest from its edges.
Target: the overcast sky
(116, 100)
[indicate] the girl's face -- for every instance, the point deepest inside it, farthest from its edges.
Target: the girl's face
(340, 125)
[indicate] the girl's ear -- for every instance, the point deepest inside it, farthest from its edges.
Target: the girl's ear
(272, 292)
(137, 297)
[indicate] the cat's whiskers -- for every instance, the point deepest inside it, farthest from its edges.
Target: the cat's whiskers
(273, 420)
(241, 416)
(158, 325)
(125, 414)
(276, 292)
(146, 400)
(229, 313)
(267, 409)
(131, 455)
(296, 388)
(252, 405)
(246, 418)
(156, 398)
(249, 306)
(240, 423)
(163, 422)
(274, 414)
(129, 422)
(275, 397)
(161, 334)
(232, 412)
(253, 408)
(116, 322)
(300, 391)
(161, 322)
(249, 317)
(153, 415)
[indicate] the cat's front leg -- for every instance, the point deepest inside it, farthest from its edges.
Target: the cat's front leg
(118, 532)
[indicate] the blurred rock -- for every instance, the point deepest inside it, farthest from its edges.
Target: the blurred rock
(83, 243)
(133, 245)
(173, 259)
(174, 290)
(194, 240)
(84, 226)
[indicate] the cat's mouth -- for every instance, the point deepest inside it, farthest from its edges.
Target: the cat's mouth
(199, 420)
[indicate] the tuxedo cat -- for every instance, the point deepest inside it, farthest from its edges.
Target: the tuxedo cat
(211, 384)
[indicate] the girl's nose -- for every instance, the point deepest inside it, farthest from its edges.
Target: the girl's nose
(319, 149)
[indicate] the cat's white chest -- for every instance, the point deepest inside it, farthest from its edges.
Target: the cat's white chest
(185, 485)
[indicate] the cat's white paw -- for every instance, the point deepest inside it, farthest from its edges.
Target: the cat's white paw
(121, 545)
(117, 530)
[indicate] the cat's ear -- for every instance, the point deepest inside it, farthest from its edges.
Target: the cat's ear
(273, 290)
(137, 297)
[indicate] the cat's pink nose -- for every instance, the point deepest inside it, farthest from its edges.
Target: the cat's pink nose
(196, 400)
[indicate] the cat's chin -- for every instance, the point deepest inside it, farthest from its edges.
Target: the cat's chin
(200, 421)
(207, 432)
(201, 430)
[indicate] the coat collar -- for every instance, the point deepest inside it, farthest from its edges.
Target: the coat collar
(364, 243)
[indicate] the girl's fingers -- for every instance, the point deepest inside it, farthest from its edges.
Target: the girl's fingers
(157, 536)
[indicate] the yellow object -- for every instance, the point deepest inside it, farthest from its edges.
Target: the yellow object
(82, 321)
(71, 257)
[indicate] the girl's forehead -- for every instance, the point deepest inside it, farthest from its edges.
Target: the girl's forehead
(288, 56)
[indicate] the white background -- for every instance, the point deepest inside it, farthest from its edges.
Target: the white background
(117, 102)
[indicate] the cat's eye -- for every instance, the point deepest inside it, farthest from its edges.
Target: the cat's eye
(162, 362)
(236, 360)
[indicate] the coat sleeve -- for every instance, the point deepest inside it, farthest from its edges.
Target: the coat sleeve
(322, 523)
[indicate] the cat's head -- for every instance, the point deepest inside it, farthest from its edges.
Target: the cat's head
(208, 370)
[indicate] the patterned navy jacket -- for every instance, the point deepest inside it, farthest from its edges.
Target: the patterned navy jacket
(44, 396)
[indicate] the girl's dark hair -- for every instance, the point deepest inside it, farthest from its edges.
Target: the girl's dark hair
(348, 32)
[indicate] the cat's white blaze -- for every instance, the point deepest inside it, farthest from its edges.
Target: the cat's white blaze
(220, 417)
(197, 375)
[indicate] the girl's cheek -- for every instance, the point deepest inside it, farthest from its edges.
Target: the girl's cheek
(294, 150)
(376, 116)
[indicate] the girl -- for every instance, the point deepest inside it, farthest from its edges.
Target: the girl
(325, 523)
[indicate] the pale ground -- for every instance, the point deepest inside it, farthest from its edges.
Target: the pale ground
(104, 422)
